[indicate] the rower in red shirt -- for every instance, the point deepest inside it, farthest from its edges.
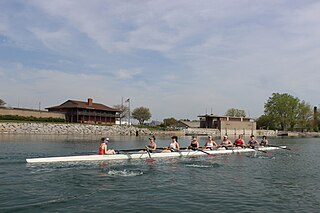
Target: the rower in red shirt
(239, 142)
(103, 148)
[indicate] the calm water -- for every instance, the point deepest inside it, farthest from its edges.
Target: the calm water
(280, 181)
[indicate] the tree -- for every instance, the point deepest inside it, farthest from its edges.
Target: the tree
(142, 114)
(2, 103)
(265, 122)
(305, 116)
(283, 109)
(235, 113)
(169, 121)
(123, 111)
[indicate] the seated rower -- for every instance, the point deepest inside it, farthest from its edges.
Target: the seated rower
(210, 144)
(174, 145)
(194, 145)
(264, 141)
(152, 147)
(103, 148)
(225, 143)
(252, 142)
(239, 142)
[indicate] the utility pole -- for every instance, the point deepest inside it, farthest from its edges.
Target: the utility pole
(121, 112)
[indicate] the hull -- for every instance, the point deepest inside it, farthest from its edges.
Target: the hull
(144, 155)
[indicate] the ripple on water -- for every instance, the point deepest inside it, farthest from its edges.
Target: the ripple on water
(201, 165)
(125, 173)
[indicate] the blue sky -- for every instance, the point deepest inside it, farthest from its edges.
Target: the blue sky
(179, 58)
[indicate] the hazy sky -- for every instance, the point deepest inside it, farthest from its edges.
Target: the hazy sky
(179, 58)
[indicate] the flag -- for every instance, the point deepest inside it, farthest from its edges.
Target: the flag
(127, 100)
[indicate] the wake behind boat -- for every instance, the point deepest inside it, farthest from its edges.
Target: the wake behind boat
(145, 155)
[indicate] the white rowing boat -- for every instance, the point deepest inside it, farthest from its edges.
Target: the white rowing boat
(144, 155)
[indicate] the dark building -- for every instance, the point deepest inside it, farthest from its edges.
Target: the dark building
(86, 112)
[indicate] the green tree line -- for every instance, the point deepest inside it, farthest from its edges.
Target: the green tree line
(285, 112)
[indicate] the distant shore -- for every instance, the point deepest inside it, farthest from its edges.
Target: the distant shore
(88, 129)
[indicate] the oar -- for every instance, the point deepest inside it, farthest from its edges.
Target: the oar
(128, 150)
(209, 154)
(139, 149)
(279, 147)
(149, 160)
(259, 150)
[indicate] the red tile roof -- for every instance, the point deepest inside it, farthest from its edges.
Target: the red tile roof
(83, 105)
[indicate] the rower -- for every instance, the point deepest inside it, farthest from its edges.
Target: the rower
(194, 145)
(173, 146)
(239, 142)
(103, 148)
(152, 147)
(210, 144)
(264, 141)
(225, 143)
(252, 142)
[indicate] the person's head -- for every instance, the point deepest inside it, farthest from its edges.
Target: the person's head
(152, 138)
(240, 136)
(252, 136)
(194, 138)
(264, 137)
(225, 137)
(210, 137)
(104, 140)
(175, 138)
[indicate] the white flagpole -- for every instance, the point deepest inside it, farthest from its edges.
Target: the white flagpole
(129, 113)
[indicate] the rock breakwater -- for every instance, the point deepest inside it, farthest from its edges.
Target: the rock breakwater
(87, 129)
(63, 129)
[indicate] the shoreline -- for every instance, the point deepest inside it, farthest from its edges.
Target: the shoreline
(90, 129)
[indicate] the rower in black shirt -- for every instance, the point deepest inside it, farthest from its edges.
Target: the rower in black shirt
(194, 145)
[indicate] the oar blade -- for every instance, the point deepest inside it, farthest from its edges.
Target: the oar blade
(150, 160)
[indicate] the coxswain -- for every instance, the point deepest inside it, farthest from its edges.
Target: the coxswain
(239, 142)
(264, 141)
(252, 142)
(103, 148)
(194, 145)
(210, 144)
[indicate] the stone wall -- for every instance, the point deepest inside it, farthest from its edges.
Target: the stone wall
(64, 129)
(202, 131)
(49, 128)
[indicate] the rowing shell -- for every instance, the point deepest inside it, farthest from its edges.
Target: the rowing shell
(143, 155)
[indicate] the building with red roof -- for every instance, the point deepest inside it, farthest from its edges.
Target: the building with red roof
(86, 112)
